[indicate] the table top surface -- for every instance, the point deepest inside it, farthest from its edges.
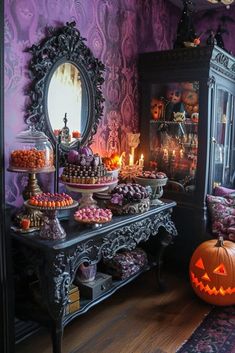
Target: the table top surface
(77, 232)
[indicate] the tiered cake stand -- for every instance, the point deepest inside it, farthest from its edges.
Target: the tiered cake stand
(87, 191)
(31, 189)
(51, 228)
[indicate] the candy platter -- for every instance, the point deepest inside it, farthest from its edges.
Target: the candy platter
(51, 228)
(93, 216)
(87, 191)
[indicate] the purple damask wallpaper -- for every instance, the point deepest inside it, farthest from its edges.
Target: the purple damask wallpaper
(116, 31)
(210, 20)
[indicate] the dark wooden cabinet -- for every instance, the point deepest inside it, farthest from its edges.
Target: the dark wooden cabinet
(187, 129)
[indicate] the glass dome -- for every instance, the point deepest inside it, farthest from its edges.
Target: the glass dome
(32, 152)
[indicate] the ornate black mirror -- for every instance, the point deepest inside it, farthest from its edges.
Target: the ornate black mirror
(65, 95)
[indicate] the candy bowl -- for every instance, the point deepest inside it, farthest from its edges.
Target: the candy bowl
(113, 173)
(129, 198)
(156, 181)
(93, 216)
(130, 208)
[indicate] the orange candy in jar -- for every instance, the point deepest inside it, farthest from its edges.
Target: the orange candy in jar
(32, 151)
(28, 159)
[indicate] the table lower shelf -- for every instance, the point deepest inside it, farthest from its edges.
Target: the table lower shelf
(86, 304)
(28, 310)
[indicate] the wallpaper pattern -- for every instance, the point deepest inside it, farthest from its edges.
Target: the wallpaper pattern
(116, 31)
(211, 20)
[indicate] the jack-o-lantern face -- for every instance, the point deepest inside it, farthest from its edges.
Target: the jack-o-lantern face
(212, 272)
(157, 109)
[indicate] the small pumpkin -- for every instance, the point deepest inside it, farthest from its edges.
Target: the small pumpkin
(212, 272)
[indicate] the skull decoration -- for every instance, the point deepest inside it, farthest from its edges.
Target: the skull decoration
(179, 116)
(173, 94)
(212, 272)
(157, 109)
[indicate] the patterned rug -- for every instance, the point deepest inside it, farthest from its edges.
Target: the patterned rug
(216, 333)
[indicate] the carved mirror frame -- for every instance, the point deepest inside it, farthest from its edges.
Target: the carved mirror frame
(64, 44)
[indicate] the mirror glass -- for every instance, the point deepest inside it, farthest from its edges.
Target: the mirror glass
(65, 96)
(65, 101)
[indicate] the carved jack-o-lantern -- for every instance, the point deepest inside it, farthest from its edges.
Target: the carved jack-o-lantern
(157, 109)
(212, 272)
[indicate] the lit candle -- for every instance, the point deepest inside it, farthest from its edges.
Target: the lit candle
(131, 160)
(181, 153)
(173, 153)
(133, 154)
(141, 160)
(120, 161)
(165, 154)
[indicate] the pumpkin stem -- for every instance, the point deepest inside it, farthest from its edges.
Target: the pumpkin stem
(220, 242)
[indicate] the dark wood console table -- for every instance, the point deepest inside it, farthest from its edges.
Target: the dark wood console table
(55, 262)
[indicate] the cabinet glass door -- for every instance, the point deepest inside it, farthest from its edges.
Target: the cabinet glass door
(223, 139)
(174, 116)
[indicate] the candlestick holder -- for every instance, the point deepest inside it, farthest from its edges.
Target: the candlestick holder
(129, 172)
(133, 141)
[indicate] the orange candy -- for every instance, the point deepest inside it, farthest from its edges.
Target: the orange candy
(32, 159)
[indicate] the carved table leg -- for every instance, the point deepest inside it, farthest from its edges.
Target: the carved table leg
(55, 279)
(57, 335)
(163, 241)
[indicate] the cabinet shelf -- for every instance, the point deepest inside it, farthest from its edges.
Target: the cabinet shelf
(188, 144)
(185, 122)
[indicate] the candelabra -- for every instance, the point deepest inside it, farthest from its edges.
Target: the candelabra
(132, 169)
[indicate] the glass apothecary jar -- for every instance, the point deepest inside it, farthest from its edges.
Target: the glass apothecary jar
(31, 152)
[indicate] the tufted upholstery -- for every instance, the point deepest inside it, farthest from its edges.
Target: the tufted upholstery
(222, 213)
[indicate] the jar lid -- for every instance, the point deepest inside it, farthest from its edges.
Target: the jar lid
(32, 135)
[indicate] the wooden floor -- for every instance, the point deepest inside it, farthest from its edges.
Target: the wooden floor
(136, 319)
